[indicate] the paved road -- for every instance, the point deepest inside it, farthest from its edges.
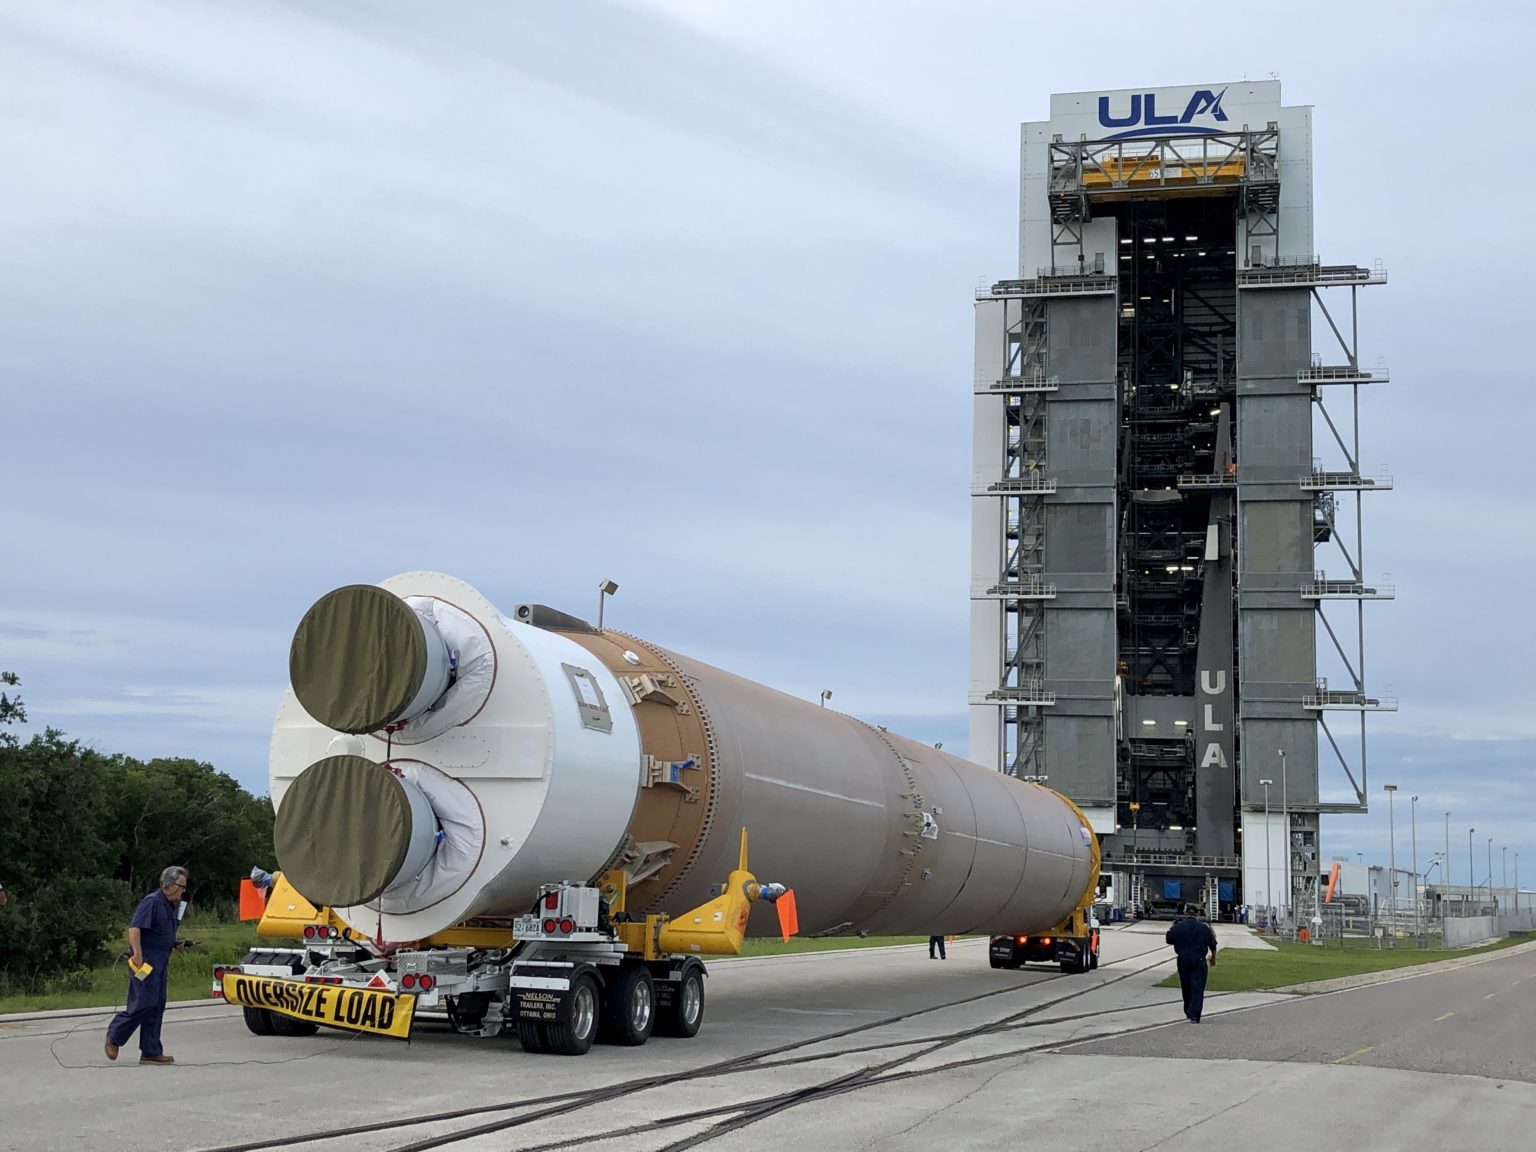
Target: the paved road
(972, 1092)
(1473, 1021)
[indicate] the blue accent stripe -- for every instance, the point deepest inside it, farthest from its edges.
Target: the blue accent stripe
(1170, 130)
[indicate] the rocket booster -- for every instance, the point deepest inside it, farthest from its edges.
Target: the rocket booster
(435, 761)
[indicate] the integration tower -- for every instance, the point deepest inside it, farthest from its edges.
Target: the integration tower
(1146, 603)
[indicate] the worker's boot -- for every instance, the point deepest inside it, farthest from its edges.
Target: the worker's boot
(157, 1060)
(111, 1050)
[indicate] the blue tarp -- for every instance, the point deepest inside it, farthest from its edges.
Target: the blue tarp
(1228, 890)
(1173, 889)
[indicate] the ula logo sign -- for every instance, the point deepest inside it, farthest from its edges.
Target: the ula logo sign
(1143, 118)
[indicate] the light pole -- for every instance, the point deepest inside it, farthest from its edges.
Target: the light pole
(1413, 826)
(1391, 791)
(1491, 899)
(1517, 883)
(1471, 887)
(1445, 873)
(826, 694)
(1285, 818)
(604, 590)
(1269, 879)
(1504, 868)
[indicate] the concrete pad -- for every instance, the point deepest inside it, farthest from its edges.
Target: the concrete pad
(1086, 1061)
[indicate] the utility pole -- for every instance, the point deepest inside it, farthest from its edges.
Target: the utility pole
(1391, 791)
(1285, 816)
(1492, 899)
(1446, 872)
(1471, 887)
(1413, 824)
(1269, 878)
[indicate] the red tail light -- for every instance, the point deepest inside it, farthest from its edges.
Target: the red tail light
(1045, 939)
(218, 973)
(309, 931)
(551, 901)
(408, 980)
(1023, 939)
(549, 927)
(567, 926)
(427, 981)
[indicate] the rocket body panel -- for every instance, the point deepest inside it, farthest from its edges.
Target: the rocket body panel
(900, 837)
(594, 750)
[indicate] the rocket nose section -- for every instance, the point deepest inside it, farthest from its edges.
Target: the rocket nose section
(362, 658)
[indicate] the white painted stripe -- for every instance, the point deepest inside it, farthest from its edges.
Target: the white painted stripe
(984, 840)
(814, 791)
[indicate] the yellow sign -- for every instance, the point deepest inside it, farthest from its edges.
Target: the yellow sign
(334, 1005)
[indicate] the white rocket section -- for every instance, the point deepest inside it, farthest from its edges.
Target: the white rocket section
(535, 826)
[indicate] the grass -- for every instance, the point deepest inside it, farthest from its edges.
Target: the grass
(107, 985)
(1247, 970)
(773, 946)
(221, 943)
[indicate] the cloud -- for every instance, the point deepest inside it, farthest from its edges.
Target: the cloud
(674, 294)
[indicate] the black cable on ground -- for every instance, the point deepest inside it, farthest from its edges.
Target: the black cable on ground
(95, 1022)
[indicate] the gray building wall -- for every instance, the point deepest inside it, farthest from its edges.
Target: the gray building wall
(1277, 646)
(1080, 639)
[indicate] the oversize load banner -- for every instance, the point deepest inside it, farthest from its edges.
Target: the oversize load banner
(355, 1009)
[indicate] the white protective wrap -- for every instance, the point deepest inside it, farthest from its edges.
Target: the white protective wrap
(469, 643)
(463, 841)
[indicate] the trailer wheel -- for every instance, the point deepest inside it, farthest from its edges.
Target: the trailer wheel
(1078, 964)
(685, 1015)
(530, 1034)
(288, 1026)
(258, 1021)
(629, 1009)
(576, 1027)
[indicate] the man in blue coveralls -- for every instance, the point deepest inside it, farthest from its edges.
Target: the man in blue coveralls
(151, 939)
(1191, 939)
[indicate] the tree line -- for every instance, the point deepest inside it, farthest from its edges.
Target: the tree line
(84, 834)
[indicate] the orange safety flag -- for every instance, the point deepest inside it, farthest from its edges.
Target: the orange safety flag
(253, 901)
(789, 916)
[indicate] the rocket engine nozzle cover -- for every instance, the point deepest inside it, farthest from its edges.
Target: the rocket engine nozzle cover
(348, 830)
(362, 658)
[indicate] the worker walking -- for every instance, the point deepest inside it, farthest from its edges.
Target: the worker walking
(936, 942)
(151, 939)
(1192, 938)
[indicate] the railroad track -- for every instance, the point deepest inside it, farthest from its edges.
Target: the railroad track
(742, 1113)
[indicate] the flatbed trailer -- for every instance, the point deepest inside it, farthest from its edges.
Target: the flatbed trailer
(574, 970)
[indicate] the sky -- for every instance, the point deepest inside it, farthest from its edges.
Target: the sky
(678, 294)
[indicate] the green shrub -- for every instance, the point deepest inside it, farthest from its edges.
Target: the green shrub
(64, 925)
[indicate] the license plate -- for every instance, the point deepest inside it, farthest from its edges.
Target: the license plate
(525, 926)
(334, 1005)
